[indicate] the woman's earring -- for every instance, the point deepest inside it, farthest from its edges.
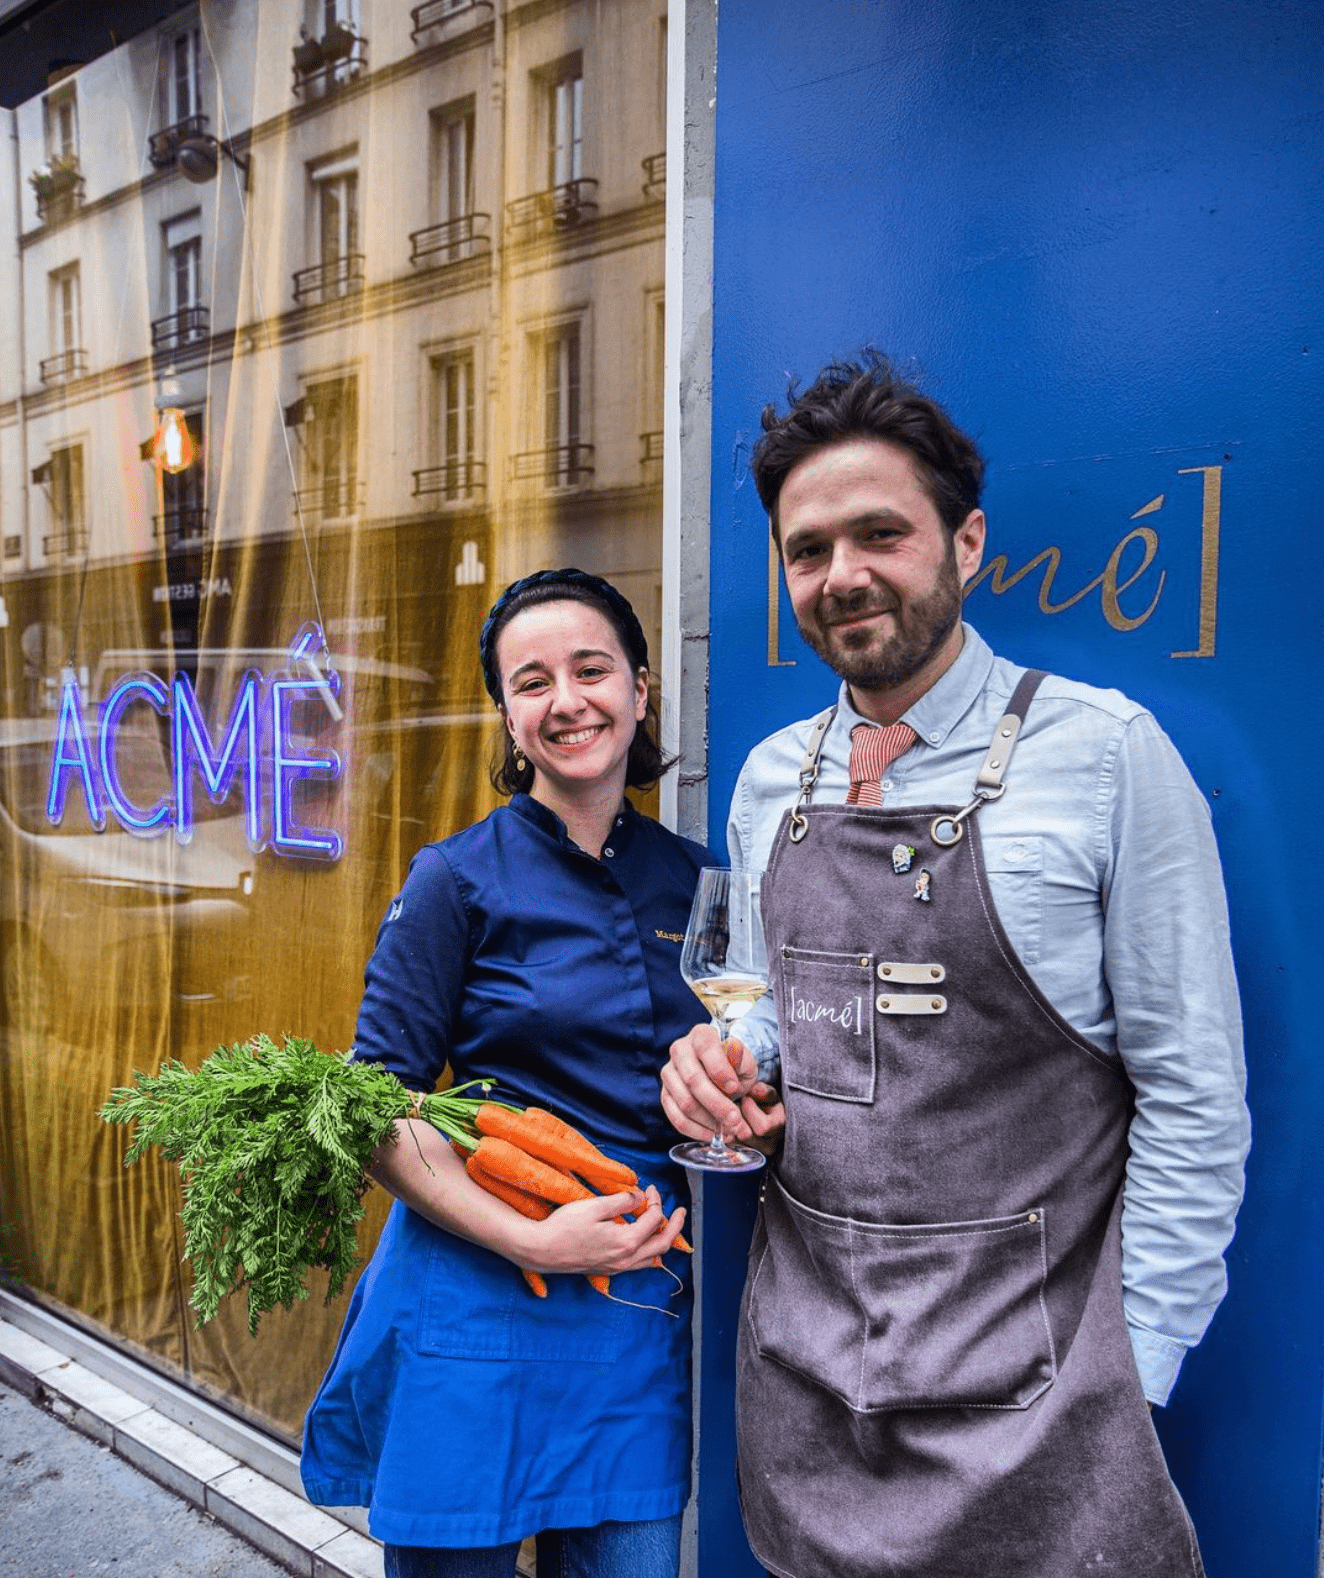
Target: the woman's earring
(521, 761)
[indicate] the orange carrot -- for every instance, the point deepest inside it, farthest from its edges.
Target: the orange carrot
(599, 1280)
(525, 1204)
(542, 1134)
(506, 1161)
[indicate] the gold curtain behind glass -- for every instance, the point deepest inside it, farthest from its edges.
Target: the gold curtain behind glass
(413, 323)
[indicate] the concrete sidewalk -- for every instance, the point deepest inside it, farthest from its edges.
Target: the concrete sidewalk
(70, 1506)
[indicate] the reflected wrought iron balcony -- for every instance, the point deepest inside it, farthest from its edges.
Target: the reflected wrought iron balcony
(333, 499)
(456, 480)
(63, 366)
(655, 177)
(162, 146)
(650, 445)
(67, 540)
(321, 64)
(557, 209)
(329, 281)
(59, 188)
(433, 13)
(187, 326)
(452, 241)
(559, 466)
(184, 527)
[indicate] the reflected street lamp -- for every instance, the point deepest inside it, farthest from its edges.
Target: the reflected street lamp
(199, 158)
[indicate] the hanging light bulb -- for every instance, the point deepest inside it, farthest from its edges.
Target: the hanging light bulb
(175, 449)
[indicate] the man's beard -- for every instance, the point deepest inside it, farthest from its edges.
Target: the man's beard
(869, 661)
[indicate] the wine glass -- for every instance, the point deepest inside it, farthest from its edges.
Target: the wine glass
(725, 964)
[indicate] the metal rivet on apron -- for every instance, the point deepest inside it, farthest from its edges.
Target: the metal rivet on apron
(864, 961)
(936, 972)
(786, 953)
(884, 970)
(884, 1003)
(1034, 1216)
(937, 1003)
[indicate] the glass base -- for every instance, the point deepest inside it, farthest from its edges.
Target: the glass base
(704, 1156)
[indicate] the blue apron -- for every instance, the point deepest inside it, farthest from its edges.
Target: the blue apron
(461, 1410)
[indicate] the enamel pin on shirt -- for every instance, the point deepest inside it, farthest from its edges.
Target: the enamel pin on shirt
(902, 856)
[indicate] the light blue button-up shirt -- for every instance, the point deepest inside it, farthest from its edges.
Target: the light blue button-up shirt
(1103, 867)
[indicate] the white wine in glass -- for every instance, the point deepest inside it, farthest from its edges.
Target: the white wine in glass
(725, 964)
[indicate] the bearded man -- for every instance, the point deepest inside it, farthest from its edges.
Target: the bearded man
(1005, 1067)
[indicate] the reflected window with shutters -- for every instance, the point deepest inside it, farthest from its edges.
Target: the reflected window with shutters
(68, 502)
(453, 425)
(331, 447)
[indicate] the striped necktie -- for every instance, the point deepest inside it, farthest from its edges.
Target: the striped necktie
(872, 752)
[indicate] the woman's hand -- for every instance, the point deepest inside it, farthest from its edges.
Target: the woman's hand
(420, 1168)
(586, 1236)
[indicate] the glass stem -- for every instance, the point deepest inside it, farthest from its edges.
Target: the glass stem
(717, 1145)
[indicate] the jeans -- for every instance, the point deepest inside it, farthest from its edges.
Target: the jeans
(608, 1550)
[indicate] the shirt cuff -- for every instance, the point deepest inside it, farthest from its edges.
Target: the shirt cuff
(1158, 1359)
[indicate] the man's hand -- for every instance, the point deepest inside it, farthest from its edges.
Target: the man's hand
(711, 1085)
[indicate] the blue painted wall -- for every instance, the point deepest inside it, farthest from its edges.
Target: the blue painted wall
(1094, 232)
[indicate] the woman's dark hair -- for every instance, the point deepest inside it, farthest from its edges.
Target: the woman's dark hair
(645, 763)
(866, 399)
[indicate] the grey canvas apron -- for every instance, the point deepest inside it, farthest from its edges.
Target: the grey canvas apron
(934, 1373)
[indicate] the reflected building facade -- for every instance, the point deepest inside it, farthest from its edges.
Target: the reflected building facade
(319, 311)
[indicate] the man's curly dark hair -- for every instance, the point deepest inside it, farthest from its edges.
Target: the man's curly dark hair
(866, 399)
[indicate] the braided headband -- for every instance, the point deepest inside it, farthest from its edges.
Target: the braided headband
(574, 581)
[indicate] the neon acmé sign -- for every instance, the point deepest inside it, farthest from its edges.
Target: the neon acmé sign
(257, 746)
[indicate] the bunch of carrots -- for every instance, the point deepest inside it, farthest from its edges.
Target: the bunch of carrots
(535, 1161)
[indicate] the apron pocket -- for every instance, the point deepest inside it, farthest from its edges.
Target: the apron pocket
(938, 1315)
(474, 1304)
(826, 1023)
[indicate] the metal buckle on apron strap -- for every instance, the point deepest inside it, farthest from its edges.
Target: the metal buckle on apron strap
(989, 781)
(809, 775)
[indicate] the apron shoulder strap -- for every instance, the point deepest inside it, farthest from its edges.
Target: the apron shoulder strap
(989, 782)
(809, 771)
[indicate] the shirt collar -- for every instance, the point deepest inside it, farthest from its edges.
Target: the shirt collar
(541, 816)
(947, 700)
